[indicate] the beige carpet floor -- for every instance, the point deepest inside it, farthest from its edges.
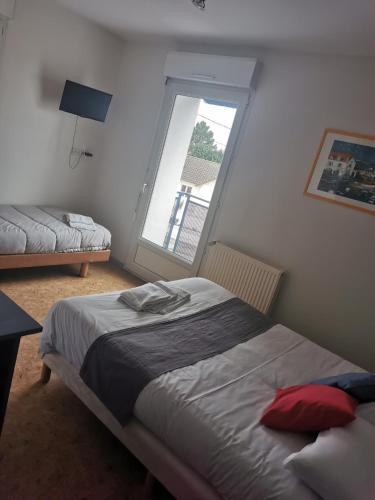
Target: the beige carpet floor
(52, 447)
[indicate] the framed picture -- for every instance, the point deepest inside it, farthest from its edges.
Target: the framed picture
(344, 170)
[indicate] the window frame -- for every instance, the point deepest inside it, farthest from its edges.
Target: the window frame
(174, 87)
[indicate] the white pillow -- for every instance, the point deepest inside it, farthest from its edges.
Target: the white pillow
(340, 465)
(366, 411)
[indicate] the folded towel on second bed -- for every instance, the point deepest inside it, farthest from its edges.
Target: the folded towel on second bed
(78, 221)
(157, 298)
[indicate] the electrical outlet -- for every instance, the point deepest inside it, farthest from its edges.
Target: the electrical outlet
(82, 152)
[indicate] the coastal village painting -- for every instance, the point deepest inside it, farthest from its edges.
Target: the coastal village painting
(344, 171)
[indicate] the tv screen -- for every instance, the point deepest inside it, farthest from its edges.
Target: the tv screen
(85, 101)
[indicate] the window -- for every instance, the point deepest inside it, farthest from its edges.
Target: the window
(193, 152)
(195, 138)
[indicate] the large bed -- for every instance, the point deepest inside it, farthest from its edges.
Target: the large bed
(33, 236)
(197, 428)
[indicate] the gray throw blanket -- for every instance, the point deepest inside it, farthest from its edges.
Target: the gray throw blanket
(119, 365)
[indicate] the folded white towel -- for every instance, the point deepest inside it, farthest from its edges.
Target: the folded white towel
(145, 296)
(156, 298)
(179, 295)
(78, 221)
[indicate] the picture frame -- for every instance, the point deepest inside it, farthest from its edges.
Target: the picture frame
(344, 170)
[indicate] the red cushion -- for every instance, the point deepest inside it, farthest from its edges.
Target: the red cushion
(309, 408)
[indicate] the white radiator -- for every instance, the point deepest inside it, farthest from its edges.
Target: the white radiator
(251, 280)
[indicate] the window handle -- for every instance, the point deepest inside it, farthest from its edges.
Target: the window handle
(141, 193)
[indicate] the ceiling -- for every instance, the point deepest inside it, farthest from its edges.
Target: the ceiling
(323, 26)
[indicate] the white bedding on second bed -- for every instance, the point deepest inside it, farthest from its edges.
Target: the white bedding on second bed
(208, 413)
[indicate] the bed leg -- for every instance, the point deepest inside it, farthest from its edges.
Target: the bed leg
(148, 486)
(46, 374)
(84, 269)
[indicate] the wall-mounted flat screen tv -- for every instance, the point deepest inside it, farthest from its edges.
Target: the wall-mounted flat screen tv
(85, 101)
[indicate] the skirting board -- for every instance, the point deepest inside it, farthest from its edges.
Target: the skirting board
(179, 479)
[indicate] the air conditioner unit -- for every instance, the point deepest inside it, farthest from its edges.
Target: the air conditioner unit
(230, 71)
(7, 9)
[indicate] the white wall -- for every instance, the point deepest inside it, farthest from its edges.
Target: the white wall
(7, 8)
(204, 191)
(130, 133)
(45, 46)
(327, 251)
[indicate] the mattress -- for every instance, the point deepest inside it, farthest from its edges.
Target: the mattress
(208, 413)
(73, 324)
(36, 230)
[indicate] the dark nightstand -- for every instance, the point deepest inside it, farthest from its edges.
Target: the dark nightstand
(14, 324)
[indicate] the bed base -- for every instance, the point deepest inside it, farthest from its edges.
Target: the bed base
(161, 463)
(54, 259)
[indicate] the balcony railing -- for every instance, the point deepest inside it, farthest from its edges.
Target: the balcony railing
(186, 225)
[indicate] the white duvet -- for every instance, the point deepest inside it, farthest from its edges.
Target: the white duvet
(208, 413)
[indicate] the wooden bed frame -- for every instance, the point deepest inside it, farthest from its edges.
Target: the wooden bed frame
(54, 259)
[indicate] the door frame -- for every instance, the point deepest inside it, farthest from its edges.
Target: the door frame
(174, 87)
